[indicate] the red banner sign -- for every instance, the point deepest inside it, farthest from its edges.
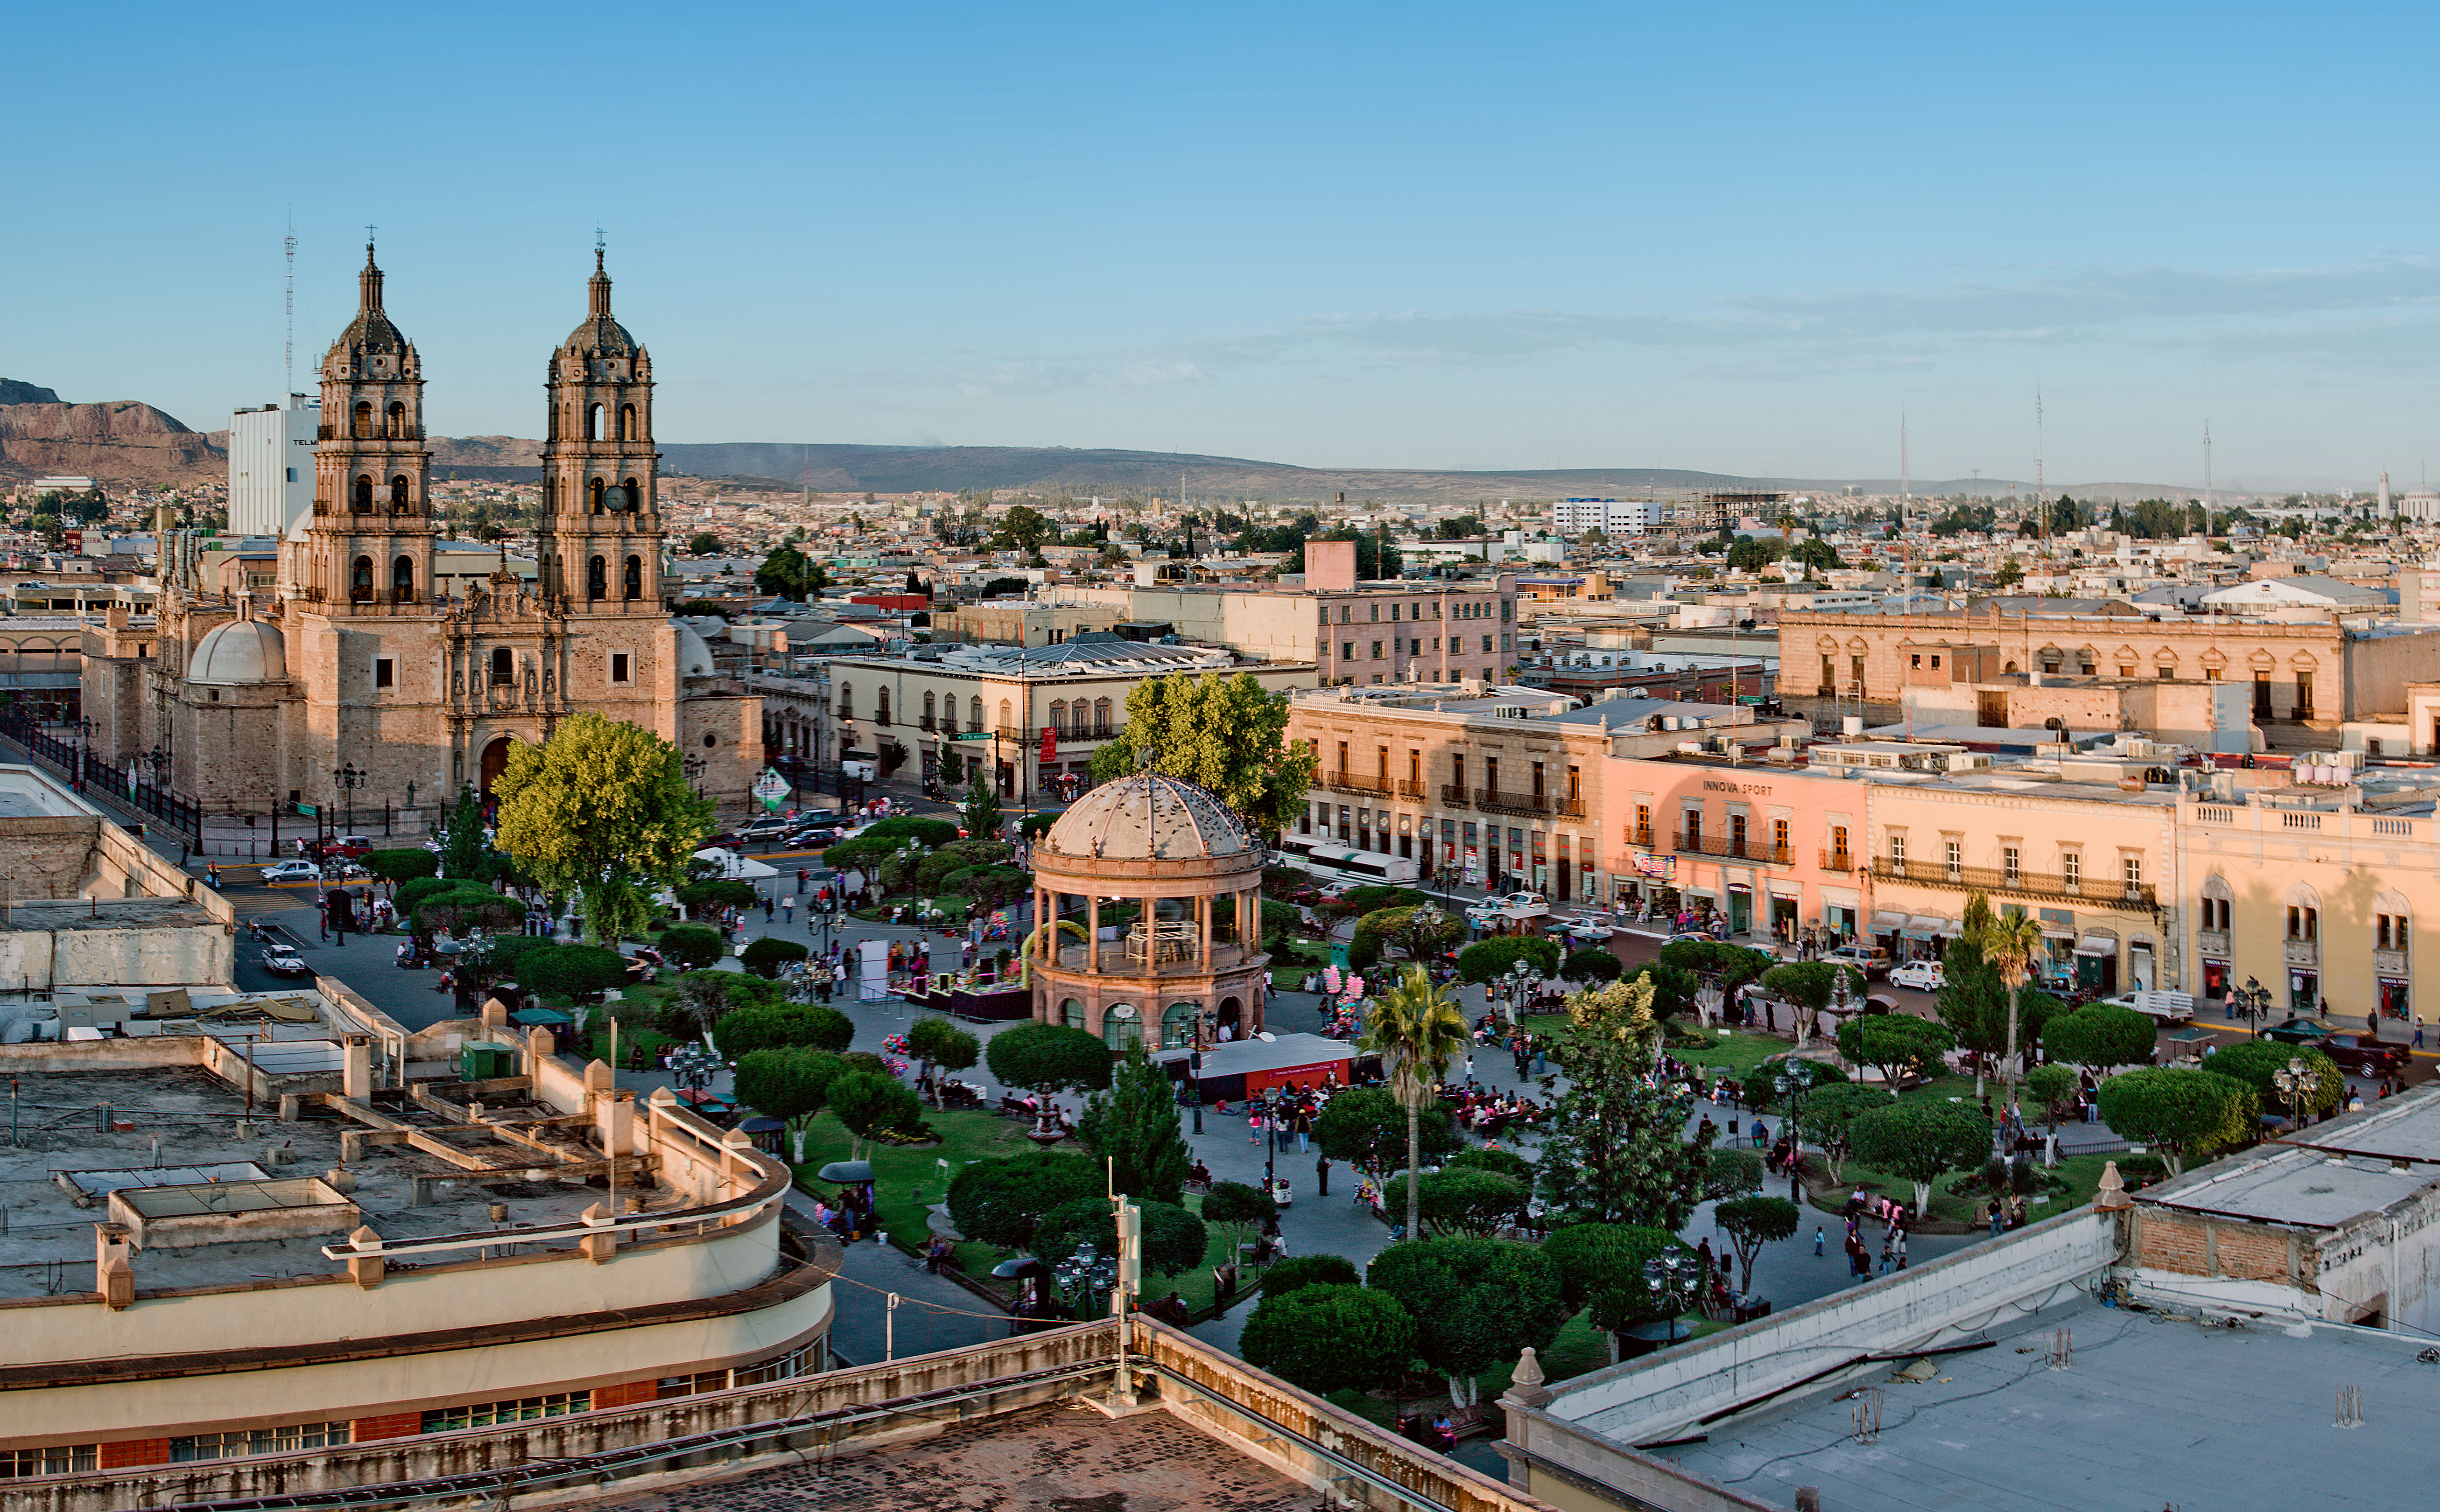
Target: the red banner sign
(1049, 742)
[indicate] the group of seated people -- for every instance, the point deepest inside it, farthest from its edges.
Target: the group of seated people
(1483, 1110)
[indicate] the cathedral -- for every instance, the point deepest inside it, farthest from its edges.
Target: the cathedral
(359, 684)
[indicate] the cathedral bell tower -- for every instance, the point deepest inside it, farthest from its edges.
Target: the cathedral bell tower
(601, 541)
(368, 545)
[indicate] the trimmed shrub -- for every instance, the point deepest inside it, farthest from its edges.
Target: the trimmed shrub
(691, 946)
(929, 834)
(1308, 1270)
(766, 955)
(1486, 959)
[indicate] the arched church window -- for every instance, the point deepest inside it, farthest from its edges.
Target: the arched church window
(399, 498)
(363, 499)
(627, 422)
(596, 584)
(635, 576)
(504, 667)
(397, 428)
(401, 581)
(881, 707)
(593, 422)
(360, 580)
(364, 421)
(593, 491)
(634, 496)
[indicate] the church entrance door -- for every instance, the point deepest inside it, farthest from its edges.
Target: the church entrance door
(496, 760)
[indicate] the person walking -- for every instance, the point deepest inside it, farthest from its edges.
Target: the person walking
(1817, 1241)
(1322, 1175)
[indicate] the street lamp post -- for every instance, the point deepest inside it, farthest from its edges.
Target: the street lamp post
(1670, 1279)
(694, 774)
(1793, 1083)
(348, 779)
(2299, 1083)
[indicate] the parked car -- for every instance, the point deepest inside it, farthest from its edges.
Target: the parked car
(2363, 1054)
(1516, 907)
(354, 847)
(2299, 1031)
(764, 831)
(283, 960)
(1585, 926)
(1923, 976)
(1688, 937)
(1872, 960)
(292, 871)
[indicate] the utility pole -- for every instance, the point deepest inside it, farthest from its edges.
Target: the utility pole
(1905, 492)
(2040, 508)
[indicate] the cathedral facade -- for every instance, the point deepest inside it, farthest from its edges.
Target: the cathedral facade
(360, 684)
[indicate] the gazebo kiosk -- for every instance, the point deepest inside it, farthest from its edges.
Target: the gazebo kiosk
(1166, 887)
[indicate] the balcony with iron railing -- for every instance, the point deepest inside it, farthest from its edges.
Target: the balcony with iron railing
(2091, 892)
(1728, 847)
(1410, 788)
(1837, 860)
(1345, 781)
(1531, 805)
(1456, 795)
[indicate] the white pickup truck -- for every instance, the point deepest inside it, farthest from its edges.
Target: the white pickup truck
(1515, 907)
(2169, 1007)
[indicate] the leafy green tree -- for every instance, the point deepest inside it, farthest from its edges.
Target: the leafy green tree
(2255, 1062)
(1731, 1173)
(941, 1045)
(717, 893)
(1920, 1141)
(1752, 1222)
(742, 1030)
(1049, 1059)
(1485, 960)
(999, 1202)
(692, 946)
(1617, 1151)
(1366, 1128)
(1815, 555)
(981, 810)
(1328, 1338)
(1132, 1128)
(932, 834)
(1729, 966)
(1476, 1302)
(1023, 528)
(1417, 1030)
(1829, 1119)
(1897, 1045)
(1309, 1270)
(2183, 1111)
(1468, 1202)
(1237, 1207)
(1372, 898)
(601, 802)
(1228, 734)
(1464, 528)
(571, 971)
(464, 852)
(1601, 1268)
(767, 955)
(786, 1084)
(703, 543)
(1596, 963)
(2012, 943)
(2099, 1036)
(467, 907)
(790, 574)
(1173, 1238)
(869, 1104)
(2051, 1084)
(403, 866)
(1811, 987)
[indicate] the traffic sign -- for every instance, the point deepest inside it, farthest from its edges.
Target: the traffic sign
(770, 785)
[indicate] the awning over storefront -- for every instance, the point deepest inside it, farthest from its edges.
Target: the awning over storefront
(1888, 923)
(2097, 945)
(1925, 927)
(2056, 931)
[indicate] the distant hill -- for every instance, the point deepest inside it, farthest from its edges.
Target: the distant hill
(123, 441)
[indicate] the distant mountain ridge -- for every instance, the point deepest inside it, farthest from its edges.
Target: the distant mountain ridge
(122, 442)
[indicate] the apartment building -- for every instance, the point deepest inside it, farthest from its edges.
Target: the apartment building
(1772, 848)
(1504, 790)
(2312, 894)
(2306, 673)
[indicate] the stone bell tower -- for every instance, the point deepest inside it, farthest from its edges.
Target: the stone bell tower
(600, 541)
(369, 544)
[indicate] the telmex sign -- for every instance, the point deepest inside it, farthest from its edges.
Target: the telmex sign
(1759, 790)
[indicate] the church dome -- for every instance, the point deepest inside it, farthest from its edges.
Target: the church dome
(600, 336)
(1149, 817)
(371, 333)
(695, 654)
(242, 651)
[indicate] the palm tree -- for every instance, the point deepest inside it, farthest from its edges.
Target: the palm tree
(2009, 943)
(1417, 1028)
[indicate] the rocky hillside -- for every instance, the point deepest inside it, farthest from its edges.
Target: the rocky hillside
(123, 441)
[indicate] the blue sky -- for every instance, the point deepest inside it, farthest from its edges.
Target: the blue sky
(1735, 237)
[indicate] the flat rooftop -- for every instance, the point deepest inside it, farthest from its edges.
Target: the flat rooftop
(2157, 1409)
(79, 1134)
(52, 916)
(1063, 1457)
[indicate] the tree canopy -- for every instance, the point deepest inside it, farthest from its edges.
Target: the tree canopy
(1476, 1302)
(1173, 1238)
(601, 805)
(1133, 1129)
(1920, 1141)
(1898, 1046)
(786, 1084)
(1466, 1201)
(998, 1202)
(743, 1030)
(1617, 1151)
(570, 970)
(2187, 1113)
(1328, 1338)
(1752, 1221)
(2256, 1062)
(2099, 1036)
(1830, 1114)
(1228, 734)
(1049, 1059)
(1484, 960)
(1600, 1266)
(1366, 1128)
(788, 573)
(869, 1102)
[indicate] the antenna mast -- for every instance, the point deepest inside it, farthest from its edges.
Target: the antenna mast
(288, 354)
(2040, 509)
(1904, 493)
(2207, 487)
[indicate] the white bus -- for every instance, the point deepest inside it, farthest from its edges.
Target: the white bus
(1340, 864)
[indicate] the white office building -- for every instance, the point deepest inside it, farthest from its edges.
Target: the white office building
(271, 465)
(1615, 517)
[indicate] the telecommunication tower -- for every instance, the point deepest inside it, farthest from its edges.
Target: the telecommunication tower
(288, 354)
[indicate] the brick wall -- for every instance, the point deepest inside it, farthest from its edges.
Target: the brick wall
(2173, 1244)
(131, 1451)
(2251, 1254)
(2187, 1245)
(389, 1425)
